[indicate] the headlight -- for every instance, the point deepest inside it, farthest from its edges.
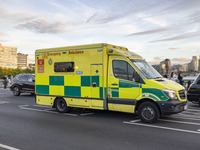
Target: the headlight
(170, 93)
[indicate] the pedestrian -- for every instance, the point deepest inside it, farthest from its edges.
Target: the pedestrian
(172, 76)
(165, 75)
(5, 81)
(180, 79)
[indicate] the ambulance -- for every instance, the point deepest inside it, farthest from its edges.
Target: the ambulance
(105, 77)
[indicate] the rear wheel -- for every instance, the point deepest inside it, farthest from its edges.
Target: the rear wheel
(61, 105)
(16, 91)
(148, 112)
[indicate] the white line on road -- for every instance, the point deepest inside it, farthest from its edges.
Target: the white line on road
(193, 110)
(25, 107)
(189, 116)
(135, 120)
(183, 118)
(86, 114)
(183, 122)
(45, 106)
(4, 102)
(7, 147)
(160, 127)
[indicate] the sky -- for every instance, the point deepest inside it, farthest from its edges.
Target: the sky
(154, 29)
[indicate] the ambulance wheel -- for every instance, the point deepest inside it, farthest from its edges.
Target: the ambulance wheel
(61, 105)
(16, 91)
(148, 112)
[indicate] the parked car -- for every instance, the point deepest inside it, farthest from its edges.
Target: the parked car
(23, 83)
(193, 94)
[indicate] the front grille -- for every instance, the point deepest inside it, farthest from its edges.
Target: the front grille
(182, 94)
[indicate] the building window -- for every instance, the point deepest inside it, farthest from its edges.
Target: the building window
(64, 67)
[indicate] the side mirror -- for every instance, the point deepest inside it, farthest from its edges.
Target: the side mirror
(33, 80)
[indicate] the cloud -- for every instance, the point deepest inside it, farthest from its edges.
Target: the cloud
(157, 58)
(42, 25)
(151, 31)
(180, 60)
(173, 48)
(183, 36)
(2, 34)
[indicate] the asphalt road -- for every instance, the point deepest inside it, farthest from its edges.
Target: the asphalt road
(25, 125)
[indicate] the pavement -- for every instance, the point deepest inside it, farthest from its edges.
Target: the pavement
(25, 125)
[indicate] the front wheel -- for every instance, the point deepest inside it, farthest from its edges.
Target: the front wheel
(148, 112)
(16, 91)
(61, 105)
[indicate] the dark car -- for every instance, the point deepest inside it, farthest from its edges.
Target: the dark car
(23, 83)
(193, 94)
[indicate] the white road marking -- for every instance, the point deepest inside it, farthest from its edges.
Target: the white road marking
(4, 102)
(86, 114)
(184, 118)
(7, 147)
(193, 110)
(160, 127)
(135, 120)
(198, 130)
(186, 115)
(45, 106)
(25, 107)
(183, 122)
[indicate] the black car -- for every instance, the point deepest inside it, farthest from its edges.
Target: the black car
(193, 94)
(23, 83)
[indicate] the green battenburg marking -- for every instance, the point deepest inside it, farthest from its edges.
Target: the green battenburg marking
(42, 89)
(56, 80)
(115, 92)
(156, 92)
(95, 79)
(128, 84)
(74, 91)
(101, 92)
(153, 97)
(85, 80)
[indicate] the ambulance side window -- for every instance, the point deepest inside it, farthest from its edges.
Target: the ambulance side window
(123, 70)
(120, 69)
(64, 67)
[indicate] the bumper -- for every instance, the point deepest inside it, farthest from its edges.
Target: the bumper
(172, 107)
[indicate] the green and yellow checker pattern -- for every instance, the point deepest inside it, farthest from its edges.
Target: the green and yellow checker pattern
(70, 86)
(125, 89)
(133, 90)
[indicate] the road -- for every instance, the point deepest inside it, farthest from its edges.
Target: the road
(25, 125)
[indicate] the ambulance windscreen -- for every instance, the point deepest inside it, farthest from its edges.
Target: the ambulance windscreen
(146, 69)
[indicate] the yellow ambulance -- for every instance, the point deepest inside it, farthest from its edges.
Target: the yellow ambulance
(104, 77)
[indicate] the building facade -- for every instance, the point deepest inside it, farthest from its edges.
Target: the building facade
(22, 61)
(167, 66)
(8, 56)
(194, 64)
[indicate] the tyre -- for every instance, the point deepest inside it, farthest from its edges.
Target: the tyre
(61, 105)
(148, 112)
(16, 91)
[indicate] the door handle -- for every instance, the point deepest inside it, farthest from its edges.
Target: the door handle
(94, 84)
(115, 84)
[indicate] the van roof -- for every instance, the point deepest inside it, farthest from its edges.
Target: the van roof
(98, 45)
